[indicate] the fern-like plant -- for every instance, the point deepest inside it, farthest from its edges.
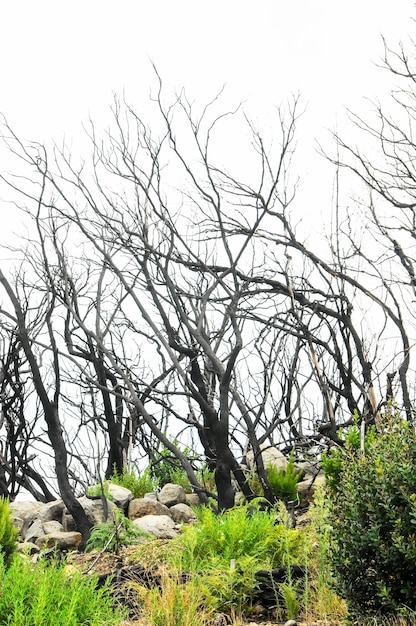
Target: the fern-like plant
(139, 483)
(8, 532)
(111, 536)
(283, 481)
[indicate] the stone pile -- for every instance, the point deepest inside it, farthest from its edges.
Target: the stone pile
(160, 514)
(51, 526)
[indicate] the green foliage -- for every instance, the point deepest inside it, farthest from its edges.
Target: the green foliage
(283, 481)
(206, 478)
(111, 536)
(46, 594)
(168, 469)
(174, 603)
(374, 522)
(332, 461)
(243, 531)
(100, 489)
(321, 600)
(139, 483)
(8, 532)
(230, 548)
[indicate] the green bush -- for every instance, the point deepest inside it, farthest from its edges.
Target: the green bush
(100, 489)
(373, 502)
(139, 483)
(47, 594)
(332, 461)
(283, 481)
(230, 548)
(111, 536)
(241, 532)
(166, 468)
(8, 532)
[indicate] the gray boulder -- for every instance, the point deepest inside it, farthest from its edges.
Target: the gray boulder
(270, 456)
(161, 526)
(307, 487)
(34, 532)
(182, 513)
(60, 540)
(192, 499)
(52, 527)
(139, 507)
(120, 496)
(51, 511)
(94, 511)
(27, 547)
(24, 511)
(152, 495)
(171, 494)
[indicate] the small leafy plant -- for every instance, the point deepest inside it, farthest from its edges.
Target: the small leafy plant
(166, 468)
(45, 594)
(111, 536)
(174, 603)
(139, 483)
(100, 489)
(283, 481)
(8, 532)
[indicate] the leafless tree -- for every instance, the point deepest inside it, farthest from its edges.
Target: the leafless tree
(179, 297)
(26, 333)
(384, 214)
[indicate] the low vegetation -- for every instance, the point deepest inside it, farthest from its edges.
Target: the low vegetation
(351, 561)
(372, 499)
(48, 594)
(112, 535)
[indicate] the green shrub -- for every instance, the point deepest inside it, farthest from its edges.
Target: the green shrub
(374, 522)
(100, 489)
(8, 532)
(111, 536)
(174, 603)
(243, 531)
(47, 594)
(166, 468)
(230, 548)
(283, 481)
(332, 461)
(139, 483)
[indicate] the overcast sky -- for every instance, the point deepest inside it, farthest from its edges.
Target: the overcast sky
(61, 60)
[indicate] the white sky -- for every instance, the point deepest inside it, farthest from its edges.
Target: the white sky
(60, 60)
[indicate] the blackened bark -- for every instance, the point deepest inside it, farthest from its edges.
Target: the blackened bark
(50, 409)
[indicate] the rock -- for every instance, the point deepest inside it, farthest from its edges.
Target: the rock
(308, 468)
(306, 488)
(171, 494)
(270, 456)
(120, 496)
(51, 511)
(291, 622)
(34, 532)
(24, 513)
(60, 541)
(94, 511)
(139, 507)
(192, 499)
(27, 547)
(150, 496)
(161, 526)
(52, 527)
(239, 498)
(182, 513)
